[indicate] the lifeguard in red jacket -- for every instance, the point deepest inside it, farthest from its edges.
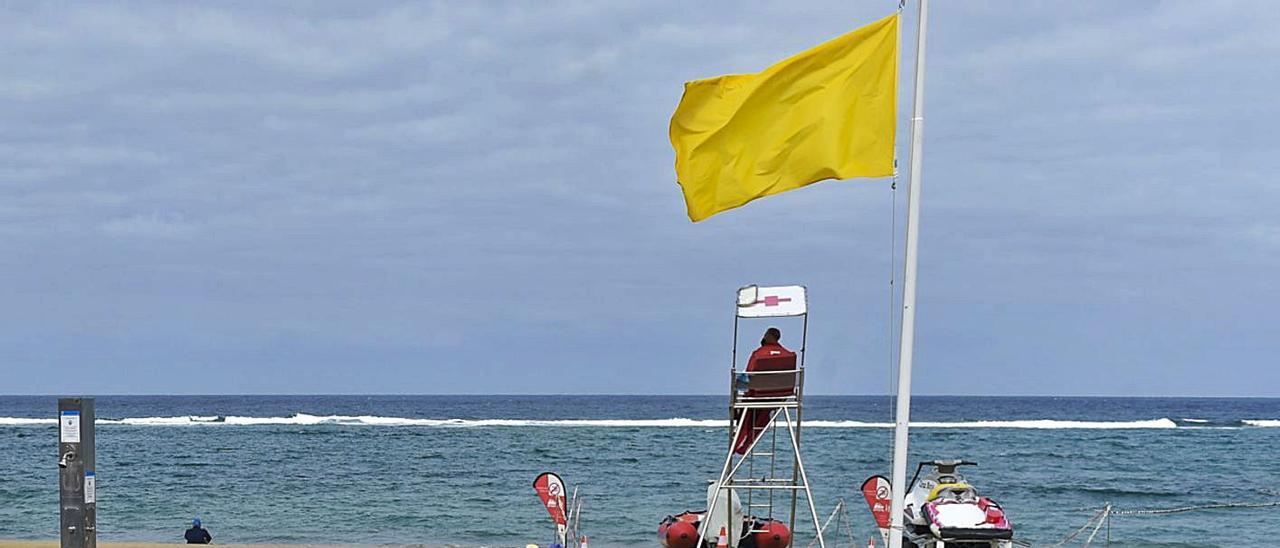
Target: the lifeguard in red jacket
(771, 356)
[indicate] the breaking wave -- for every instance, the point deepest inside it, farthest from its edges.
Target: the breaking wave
(23, 421)
(1264, 423)
(304, 419)
(1044, 424)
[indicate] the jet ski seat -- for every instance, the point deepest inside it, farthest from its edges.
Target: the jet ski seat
(959, 491)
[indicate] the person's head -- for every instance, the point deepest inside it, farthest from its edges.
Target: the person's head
(195, 522)
(771, 336)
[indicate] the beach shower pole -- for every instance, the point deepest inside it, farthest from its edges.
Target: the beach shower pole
(902, 420)
(77, 482)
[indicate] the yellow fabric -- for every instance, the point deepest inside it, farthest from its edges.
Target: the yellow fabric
(826, 113)
(942, 486)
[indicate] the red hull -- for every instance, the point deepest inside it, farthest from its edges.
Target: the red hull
(681, 531)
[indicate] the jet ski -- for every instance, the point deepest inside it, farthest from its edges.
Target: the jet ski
(942, 510)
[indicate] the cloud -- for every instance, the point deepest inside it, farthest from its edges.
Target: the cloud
(479, 188)
(149, 226)
(83, 156)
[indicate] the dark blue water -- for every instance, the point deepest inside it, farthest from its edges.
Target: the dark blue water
(457, 469)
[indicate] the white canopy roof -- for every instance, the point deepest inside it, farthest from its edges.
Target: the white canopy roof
(771, 302)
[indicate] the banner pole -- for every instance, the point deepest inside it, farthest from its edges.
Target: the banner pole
(902, 419)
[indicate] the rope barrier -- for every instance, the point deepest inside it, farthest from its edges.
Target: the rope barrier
(841, 517)
(1179, 510)
(1106, 513)
(1098, 517)
(1103, 517)
(825, 524)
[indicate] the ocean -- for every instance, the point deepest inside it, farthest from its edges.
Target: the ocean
(457, 470)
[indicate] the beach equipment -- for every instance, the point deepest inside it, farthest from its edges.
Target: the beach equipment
(944, 510)
(771, 534)
(768, 472)
(566, 514)
(550, 489)
(877, 492)
(681, 530)
(763, 463)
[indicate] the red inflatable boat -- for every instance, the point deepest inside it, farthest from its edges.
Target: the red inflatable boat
(681, 531)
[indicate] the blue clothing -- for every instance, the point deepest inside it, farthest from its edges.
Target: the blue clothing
(198, 535)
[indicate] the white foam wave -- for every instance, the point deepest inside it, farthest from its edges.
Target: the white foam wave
(161, 421)
(303, 419)
(24, 421)
(1045, 424)
(370, 420)
(1265, 423)
(1196, 421)
(1055, 424)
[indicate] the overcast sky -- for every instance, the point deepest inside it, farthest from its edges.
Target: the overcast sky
(479, 198)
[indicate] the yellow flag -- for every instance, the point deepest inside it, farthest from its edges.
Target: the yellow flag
(826, 113)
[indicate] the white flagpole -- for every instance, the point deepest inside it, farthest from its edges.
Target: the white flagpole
(903, 417)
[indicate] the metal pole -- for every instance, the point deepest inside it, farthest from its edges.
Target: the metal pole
(795, 465)
(77, 479)
(903, 418)
(808, 492)
(733, 378)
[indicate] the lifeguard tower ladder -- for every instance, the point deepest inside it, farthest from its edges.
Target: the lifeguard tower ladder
(762, 473)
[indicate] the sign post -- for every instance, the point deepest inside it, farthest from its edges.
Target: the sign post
(77, 481)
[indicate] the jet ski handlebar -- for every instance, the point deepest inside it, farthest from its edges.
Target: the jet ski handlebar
(953, 462)
(942, 466)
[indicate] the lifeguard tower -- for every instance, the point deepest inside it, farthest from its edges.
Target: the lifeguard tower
(764, 404)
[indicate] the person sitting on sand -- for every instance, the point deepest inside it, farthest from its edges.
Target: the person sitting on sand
(197, 534)
(757, 419)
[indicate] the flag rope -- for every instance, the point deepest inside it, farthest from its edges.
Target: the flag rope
(893, 283)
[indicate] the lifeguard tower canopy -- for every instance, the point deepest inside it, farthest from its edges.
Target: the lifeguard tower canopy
(772, 302)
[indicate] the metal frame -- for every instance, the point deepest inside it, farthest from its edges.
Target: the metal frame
(786, 415)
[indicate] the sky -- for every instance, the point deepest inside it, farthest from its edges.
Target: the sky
(240, 197)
